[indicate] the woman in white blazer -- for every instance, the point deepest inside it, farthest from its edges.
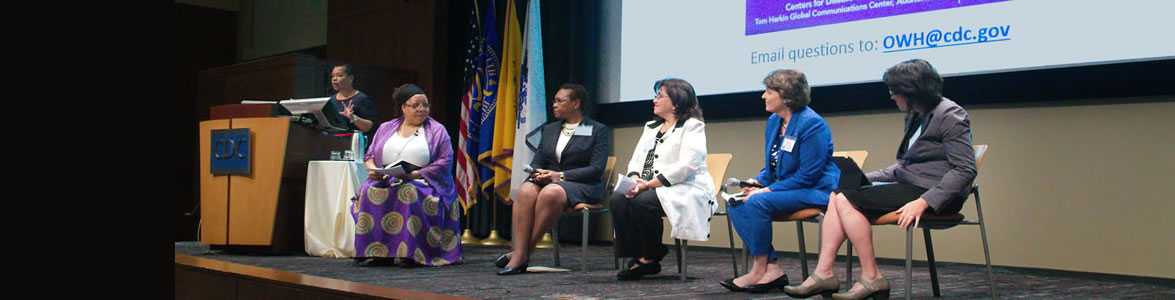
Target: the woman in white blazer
(669, 166)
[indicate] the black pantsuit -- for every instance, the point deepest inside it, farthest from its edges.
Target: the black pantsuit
(638, 227)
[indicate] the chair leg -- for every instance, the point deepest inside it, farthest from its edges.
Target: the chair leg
(684, 250)
(930, 262)
(746, 259)
(849, 262)
(677, 248)
(819, 234)
(983, 235)
(909, 262)
(615, 252)
(733, 252)
(803, 250)
(555, 236)
(584, 241)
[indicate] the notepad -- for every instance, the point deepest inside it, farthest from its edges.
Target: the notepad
(623, 184)
(398, 169)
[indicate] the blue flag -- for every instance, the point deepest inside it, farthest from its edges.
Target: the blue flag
(490, 47)
(532, 98)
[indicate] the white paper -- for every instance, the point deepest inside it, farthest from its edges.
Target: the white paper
(542, 269)
(623, 184)
(736, 196)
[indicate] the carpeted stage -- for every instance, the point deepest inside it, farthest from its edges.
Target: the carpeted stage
(706, 267)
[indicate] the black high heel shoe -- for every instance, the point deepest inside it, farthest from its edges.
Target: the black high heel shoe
(515, 271)
(729, 284)
(776, 284)
(502, 260)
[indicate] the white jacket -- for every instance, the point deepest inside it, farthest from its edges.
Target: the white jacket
(688, 200)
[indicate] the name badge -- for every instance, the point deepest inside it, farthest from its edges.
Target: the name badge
(788, 143)
(583, 130)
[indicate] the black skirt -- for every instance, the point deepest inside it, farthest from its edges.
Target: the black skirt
(875, 201)
(582, 193)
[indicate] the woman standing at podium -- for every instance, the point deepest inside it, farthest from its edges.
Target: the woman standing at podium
(413, 217)
(356, 107)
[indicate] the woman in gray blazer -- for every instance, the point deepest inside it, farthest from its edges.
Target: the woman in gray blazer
(933, 174)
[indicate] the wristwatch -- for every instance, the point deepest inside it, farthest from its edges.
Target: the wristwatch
(561, 177)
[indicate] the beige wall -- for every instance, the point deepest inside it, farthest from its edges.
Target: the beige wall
(1069, 185)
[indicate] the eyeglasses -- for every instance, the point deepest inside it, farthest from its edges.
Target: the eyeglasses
(417, 106)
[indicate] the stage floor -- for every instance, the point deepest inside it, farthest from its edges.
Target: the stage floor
(706, 267)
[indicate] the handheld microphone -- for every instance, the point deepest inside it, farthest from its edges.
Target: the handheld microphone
(530, 173)
(735, 182)
(732, 182)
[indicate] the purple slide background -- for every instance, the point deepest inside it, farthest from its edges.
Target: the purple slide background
(764, 9)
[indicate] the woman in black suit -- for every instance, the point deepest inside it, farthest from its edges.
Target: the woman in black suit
(568, 169)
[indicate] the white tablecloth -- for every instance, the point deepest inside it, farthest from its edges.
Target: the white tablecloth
(329, 227)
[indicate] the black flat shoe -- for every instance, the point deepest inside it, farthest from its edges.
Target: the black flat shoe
(502, 260)
(729, 284)
(515, 271)
(776, 284)
(640, 271)
(375, 262)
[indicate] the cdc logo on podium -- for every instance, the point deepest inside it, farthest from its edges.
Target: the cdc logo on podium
(231, 153)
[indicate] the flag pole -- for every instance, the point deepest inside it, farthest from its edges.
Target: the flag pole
(467, 237)
(494, 239)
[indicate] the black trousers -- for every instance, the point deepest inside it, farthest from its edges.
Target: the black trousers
(637, 224)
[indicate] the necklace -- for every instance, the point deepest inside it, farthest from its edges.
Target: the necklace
(569, 129)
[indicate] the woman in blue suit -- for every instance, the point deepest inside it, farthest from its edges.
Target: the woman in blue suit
(798, 173)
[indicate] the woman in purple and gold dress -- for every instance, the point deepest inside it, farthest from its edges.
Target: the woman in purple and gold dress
(412, 218)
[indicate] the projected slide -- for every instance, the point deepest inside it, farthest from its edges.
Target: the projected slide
(765, 16)
(728, 46)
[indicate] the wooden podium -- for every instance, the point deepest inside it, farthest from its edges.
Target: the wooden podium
(264, 210)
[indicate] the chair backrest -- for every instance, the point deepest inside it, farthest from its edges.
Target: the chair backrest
(608, 169)
(716, 163)
(858, 156)
(980, 154)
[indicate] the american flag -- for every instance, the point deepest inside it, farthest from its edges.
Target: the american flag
(466, 166)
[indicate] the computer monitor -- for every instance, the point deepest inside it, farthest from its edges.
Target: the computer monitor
(325, 114)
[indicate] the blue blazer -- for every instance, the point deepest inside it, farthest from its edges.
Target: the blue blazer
(809, 164)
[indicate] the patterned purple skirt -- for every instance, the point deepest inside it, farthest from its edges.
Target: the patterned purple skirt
(406, 220)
